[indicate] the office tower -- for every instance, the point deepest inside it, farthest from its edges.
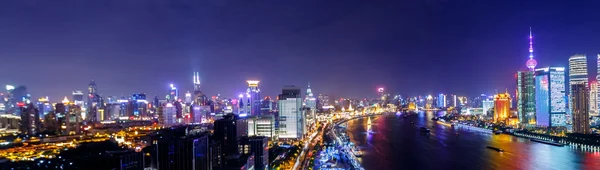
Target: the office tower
(16, 96)
(170, 114)
(254, 93)
(526, 97)
(30, 119)
(93, 96)
(441, 101)
(199, 97)
(580, 102)
(140, 105)
(550, 102)
(226, 132)
(112, 111)
(578, 70)
(51, 124)
(454, 101)
(266, 106)
(188, 97)
(178, 111)
(487, 106)
(593, 98)
(501, 107)
(291, 119)
(263, 125)
(258, 146)
(309, 100)
(178, 149)
(78, 97)
(72, 121)
(173, 93)
(43, 106)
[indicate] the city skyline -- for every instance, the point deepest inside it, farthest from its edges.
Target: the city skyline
(350, 50)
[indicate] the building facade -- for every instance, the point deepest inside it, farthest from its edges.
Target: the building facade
(580, 102)
(526, 97)
(550, 103)
(254, 100)
(593, 98)
(501, 107)
(291, 119)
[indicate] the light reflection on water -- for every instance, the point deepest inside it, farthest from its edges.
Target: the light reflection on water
(397, 144)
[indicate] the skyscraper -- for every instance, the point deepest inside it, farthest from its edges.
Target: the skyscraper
(16, 96)
(226, 132)
(140, 104)
(259, 147)
(254, 93)
(593, 98)
(501, 107)
(92, 94)
(291, 119)
(550, 102)
(30, 119)
(78, 97)
(526, 97)
(580, 102)
(173, 93)
(199, 97)
(178, 149)
(578, 70)
(309, 100)
(441, 100)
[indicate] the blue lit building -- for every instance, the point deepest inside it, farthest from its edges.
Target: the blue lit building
(139, 104)
(550, 95)
(441, 101)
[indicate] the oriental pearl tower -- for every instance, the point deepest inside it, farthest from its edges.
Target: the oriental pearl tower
(531, 63)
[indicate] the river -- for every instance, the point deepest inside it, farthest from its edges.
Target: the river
(398, 144)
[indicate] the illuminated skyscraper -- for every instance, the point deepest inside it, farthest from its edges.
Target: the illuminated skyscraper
(526, 97)
(30, 119)
(254, 93)
(501, 107)
(597, 112)
(309, 99)
(441, 101)
(550, 102)
(199, 97)
(578, 70)
(593, 98)
(140, 104)
(580, 102)
(78, 97)
(188, 97)
(92, 94)
(173, 93)
(291, 119)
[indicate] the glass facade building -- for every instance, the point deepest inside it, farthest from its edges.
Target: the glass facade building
(526, 97)
(550, 96)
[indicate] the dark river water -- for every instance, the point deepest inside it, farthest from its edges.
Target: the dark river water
(398, 144)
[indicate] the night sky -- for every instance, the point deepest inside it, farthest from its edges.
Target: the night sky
(342, 47)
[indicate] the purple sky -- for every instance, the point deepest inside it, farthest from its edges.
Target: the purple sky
(343, 47)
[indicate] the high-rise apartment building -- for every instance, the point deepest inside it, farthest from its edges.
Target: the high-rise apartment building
(593, 98)
(550, 102)
(580, 102)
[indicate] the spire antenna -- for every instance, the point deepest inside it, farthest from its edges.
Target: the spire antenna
(531, 63)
